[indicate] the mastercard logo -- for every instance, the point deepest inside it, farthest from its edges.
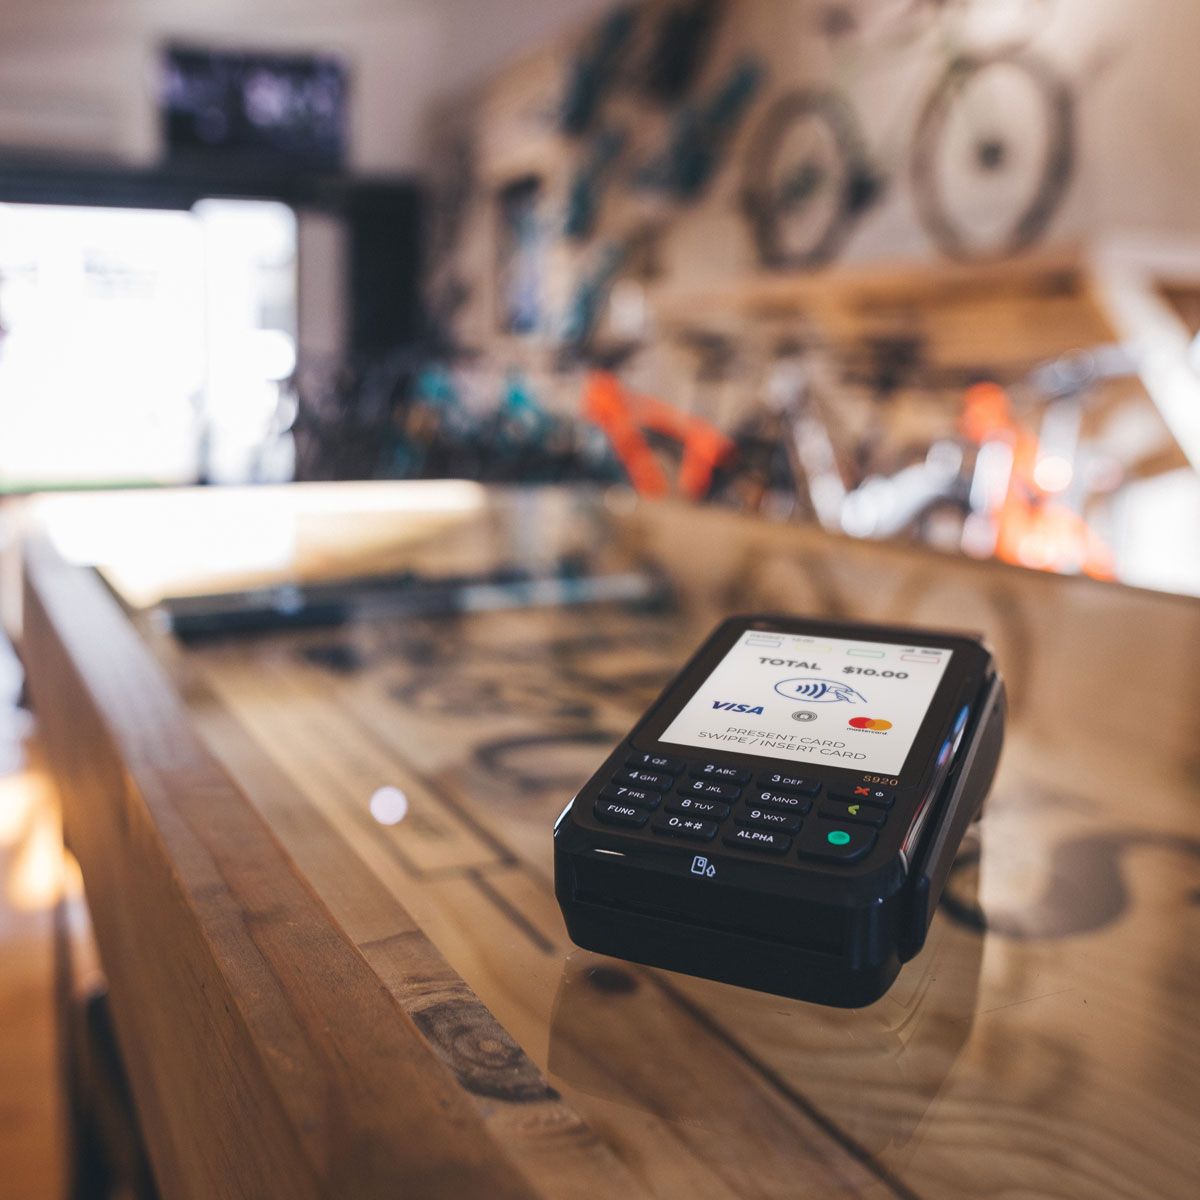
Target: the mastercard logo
(877, 723)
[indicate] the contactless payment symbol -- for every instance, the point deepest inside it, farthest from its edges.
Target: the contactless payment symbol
(819, 691)
(876, 723)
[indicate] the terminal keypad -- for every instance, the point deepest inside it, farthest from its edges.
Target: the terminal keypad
(695, 800)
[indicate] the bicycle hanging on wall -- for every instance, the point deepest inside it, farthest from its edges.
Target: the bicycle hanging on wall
(989, 159)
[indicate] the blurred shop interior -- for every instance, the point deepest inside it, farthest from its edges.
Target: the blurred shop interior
(904, 269)
(918, 271)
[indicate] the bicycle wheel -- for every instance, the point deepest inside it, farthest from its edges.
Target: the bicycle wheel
(993, 154)
(807, 180)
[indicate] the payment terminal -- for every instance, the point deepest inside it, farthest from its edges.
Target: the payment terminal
(785, 815)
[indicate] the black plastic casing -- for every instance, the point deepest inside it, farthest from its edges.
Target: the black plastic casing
(831, 933)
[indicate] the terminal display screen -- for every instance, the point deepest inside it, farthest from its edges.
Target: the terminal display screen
(844, 703)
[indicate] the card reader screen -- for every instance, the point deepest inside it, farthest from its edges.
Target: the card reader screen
(852, 704)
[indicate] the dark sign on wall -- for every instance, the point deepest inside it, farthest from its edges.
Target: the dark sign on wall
(282, 110)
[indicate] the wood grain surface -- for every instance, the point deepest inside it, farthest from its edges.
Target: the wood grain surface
(1042, 1045)
(265, 1058)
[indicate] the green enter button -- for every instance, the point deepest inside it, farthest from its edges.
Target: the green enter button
(837, 837)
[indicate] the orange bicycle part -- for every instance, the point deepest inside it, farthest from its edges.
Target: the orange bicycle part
(625, 416)
(1033, 529)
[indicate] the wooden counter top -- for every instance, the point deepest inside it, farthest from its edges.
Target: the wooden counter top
(312, 1002)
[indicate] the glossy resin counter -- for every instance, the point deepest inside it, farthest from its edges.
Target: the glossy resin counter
(319, 862)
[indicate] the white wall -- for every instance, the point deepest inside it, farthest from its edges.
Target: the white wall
(79, 75)
(1138, 62)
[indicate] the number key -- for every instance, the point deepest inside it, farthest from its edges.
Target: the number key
(720, 771)
(641, 797)
(709, 788)
(685, 827)
(694, 806)
(655, 762)
(646, 779)
(765, 818)
(784, 800)
(789, 783)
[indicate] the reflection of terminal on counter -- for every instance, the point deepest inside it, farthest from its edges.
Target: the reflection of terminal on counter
(876, 1071)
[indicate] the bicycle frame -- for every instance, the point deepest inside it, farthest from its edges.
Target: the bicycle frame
(626, 416)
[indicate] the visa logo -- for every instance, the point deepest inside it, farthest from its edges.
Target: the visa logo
(729, 706)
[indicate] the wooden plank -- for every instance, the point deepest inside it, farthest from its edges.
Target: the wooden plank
(557, 1150)
(1004, 316)
(31, 1133)
(264, 1056)
(891, 284)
